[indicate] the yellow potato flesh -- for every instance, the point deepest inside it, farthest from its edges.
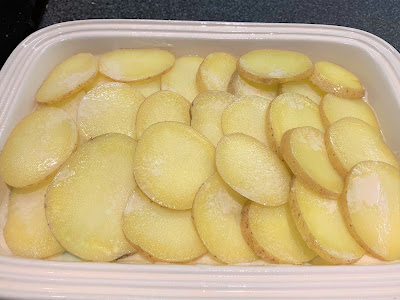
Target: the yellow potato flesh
(303, 87)
(99, 79)
(71, 104)
(147, 87)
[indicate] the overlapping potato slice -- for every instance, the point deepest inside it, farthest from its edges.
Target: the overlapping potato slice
(147, 87)
(215, 72)
(303, 149)
(303, 87)
(322, 226)
(287, 111)
(217, 213)
(252, 170)
(109, 108)
(67, 78)
(70, 104)
(351, 140)
(172, 161)
(159, 233)
(128, 65)
(371, 207)
(336, 80)
(206, 112)
(98, 80)
(181, 78)
(272, 234)
(86, 199)
(333, 108)
(162, 106)
(37, 147)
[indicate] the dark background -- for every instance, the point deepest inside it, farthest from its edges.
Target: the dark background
(19, 18)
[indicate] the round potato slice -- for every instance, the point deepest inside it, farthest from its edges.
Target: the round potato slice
(172, 161)
(303, 87)
(336, 80)
(322, 226)
(252, 170)
(351, 140)
(129, 65)
(371, 208)
(67, 78)
(303, 149)
(206, 112)
(147, 87)
(270, 66)
(272, 234)
(217, 213)
(86, 199)
(160, 233)
(37, 147)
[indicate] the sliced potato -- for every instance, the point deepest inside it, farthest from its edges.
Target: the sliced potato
(172, 161)
(351, 140)
(252, 170)
(215, 72)
(336, 80)
(37, 147)
(67, 78)
(70, 104)
(160, 233)
(86, 199)
(272, 234)
(129, 65)
(303, 87)
(371, 207)
(147, 87)
(206, 112)
(98, 80)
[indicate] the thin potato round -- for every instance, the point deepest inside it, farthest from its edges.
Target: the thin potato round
(303, 87)
(147, 87)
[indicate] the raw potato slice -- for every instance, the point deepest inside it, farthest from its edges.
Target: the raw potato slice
(240, 86)
(303, 149)
(67, 78)
(147, 87)
(303, 87)
(206, 112)
(98, 80)
(287, 111)
(336, 80)
(129, 65)
(109, 108)
(71, 104)
(217, 213)
(252, 170)
(272, 234)
(333, 108)
(160, 233)
(215, 72)
(371, 207)
(172, 161)
(162, 106)
(181, 78)
(322, 226)
(37, 147)
(351, 140)
(270, 66)
(86, 199)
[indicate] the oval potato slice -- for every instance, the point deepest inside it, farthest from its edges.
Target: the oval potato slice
(303, 87)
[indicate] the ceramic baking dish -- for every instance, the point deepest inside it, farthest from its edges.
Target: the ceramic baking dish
(373, 60)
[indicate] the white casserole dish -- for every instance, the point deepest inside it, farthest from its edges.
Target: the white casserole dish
(373, 60)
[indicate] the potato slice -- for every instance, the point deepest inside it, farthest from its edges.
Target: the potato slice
(303, 87)
(322, 226)
(172, 161)
(130, 65)
(351, 140)
(147, 87)
(109, 108)
(215, 72)
(181, 78)
(333, 108)
(270, 66)
(303, 149)
(67, 78)
(272, 234)
(287, 111)
(336, 80)
(206, 112)
(70, 104)
(37, 147)
(86, 199)
(26, 231)
(162, 106)
(217, 213)
(371, 207)
(160, 233)
(240, 86)
(252, 170)
(98, 80)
